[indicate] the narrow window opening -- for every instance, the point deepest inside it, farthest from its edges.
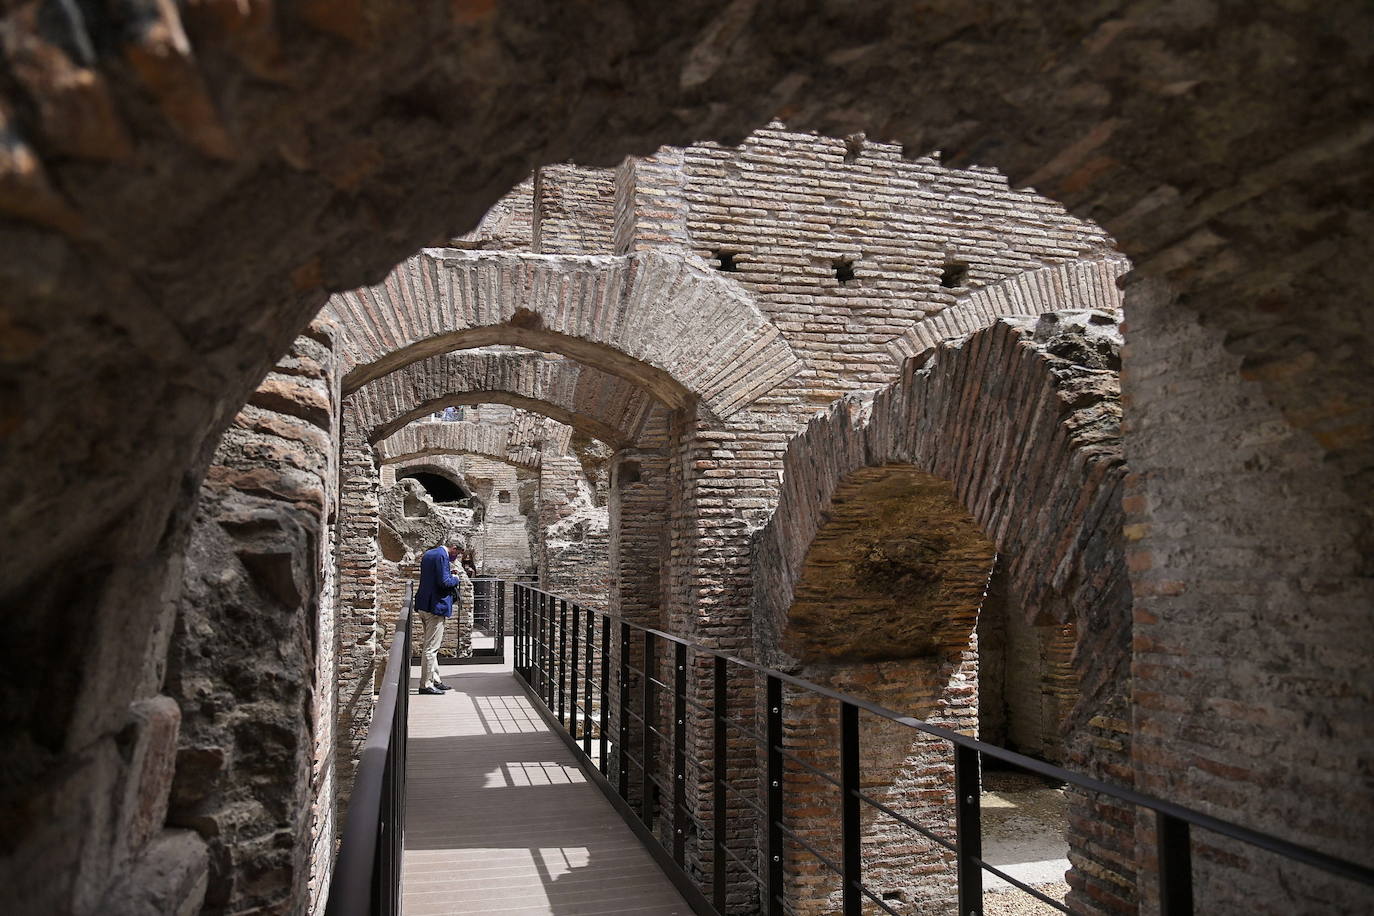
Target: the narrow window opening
(954, 275)
(844, 271)
(726, 261)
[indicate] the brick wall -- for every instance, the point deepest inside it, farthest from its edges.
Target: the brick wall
(573, 210)
(1052, 464)
(253, 645)
(1252, 645)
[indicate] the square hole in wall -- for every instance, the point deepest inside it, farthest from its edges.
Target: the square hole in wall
(503, 496)
(630, 472)
(726, 261)
(844, 271)
(954, 274)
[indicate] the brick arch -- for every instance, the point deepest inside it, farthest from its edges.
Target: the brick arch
(597, 403)
(666, 322)
(500, 442)
(1020, 423)
(1071, 285)
(897, 570)
(424, 466)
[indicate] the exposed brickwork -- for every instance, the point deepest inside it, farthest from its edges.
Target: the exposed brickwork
(1037, 403)
(1251, 668)
(791, 208)
(573, 210)
(596, 402)
(357, 600)
(183, 183)
(665, 321)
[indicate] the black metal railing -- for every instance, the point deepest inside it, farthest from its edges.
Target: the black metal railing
(367, 870)
(488, 619)
(565, 655)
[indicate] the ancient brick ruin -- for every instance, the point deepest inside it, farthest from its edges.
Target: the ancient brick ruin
(1003, 366)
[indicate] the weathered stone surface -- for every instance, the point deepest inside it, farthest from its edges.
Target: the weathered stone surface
(1236, 167)
(709, 340)
(599, 404)
(1011, 444)
(169, 879)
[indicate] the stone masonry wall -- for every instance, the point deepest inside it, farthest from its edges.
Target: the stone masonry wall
(847, 245)
(357, 602)
(573, 210)
(1053, 463)
(253, 647)
(1252, 639)
(573, 534)
(740, 202)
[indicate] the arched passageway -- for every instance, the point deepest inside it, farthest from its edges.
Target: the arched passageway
(604, 405)
(670, 324)
(209, 204)
(885, 536)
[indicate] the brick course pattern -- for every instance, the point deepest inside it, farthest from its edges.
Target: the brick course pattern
(598, 403)
(1022, 419)
(254, 644)
(667, 321)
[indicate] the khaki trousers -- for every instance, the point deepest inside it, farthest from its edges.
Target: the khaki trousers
(429, 649)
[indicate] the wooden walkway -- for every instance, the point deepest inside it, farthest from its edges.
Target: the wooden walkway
(499, 819)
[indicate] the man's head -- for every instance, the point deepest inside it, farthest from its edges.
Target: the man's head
(455, 546)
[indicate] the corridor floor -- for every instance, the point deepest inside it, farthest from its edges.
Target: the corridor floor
(499, 819)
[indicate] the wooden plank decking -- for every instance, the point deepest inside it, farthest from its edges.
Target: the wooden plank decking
(499, 819)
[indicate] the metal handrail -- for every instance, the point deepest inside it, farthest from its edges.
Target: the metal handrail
(367, 870)
(540, 662)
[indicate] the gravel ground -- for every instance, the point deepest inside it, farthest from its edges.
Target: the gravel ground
(1016, 903)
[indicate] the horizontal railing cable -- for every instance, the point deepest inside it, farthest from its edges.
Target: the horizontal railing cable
(542, 638)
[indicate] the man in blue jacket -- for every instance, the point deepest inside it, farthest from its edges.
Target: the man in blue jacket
(435, 599)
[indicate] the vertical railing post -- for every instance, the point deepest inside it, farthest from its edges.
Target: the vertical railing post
(721, 707)
(546, 615)
(572, 670)
(562, 659)
(773, 810)
(623, 737)
(646, 747)
(525, 629)
(587, 685)
(850, 826)
(519, 630)
(605, 729)
(1174, 841)
(500, 591)
(540, 650)
(968, 825)
(679, 752)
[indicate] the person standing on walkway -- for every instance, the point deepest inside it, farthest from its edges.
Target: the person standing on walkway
(434, 598)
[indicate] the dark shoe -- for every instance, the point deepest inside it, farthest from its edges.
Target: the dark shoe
(431, 691)
(442, 686)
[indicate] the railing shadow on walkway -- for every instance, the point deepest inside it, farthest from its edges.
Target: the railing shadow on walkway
(501, 817)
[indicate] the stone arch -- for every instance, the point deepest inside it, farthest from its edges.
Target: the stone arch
(898, 570)
(587, 399)
(463, 437)
(1071, 285)
(1019, 424)
(666, 322)
(1022, 418)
